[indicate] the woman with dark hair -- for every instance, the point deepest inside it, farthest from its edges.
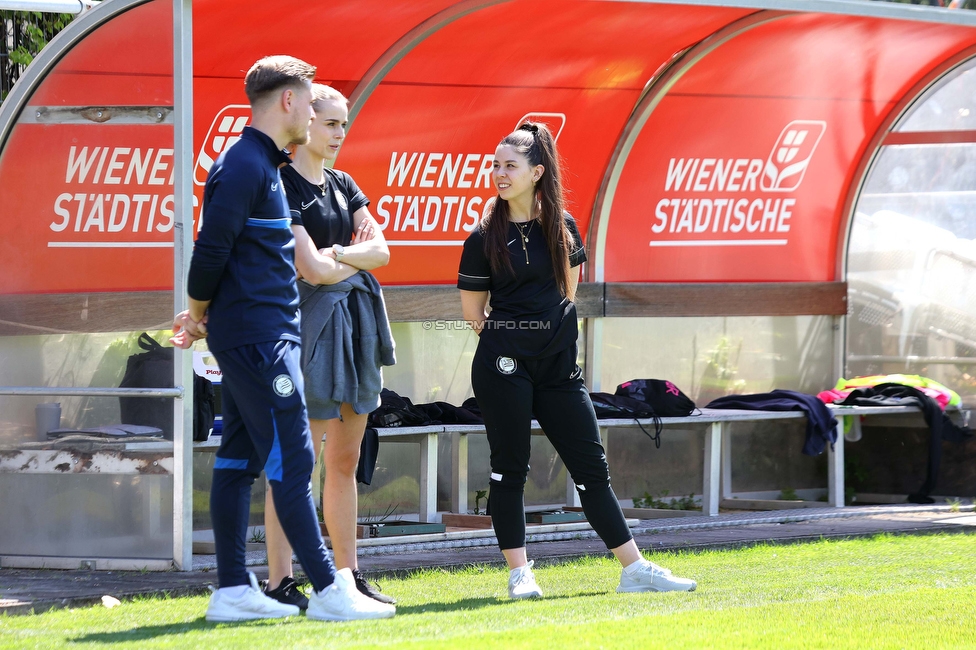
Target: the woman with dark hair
(526, 254)
(337, 242)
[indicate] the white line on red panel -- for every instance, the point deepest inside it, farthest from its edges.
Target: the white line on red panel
(110, 244)
(425, 243)
(723, 242)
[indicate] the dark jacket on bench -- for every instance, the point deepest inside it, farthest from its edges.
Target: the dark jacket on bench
(821, 426)
(940, 426)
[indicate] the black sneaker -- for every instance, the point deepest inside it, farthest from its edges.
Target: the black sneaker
(369, 590)
(288, 593)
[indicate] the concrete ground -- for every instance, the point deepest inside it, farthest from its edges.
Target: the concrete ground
(23, 591)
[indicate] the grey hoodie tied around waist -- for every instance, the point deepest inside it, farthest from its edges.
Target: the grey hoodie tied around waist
(342, 357)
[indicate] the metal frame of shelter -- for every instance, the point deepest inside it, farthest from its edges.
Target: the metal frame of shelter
(655, 89)
(182, 394)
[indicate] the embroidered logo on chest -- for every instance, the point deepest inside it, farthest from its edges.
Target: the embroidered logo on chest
(342, 200)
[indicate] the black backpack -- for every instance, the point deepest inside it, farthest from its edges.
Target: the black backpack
(662, 396)
(616, 406)
(609, 406)
(154, 369)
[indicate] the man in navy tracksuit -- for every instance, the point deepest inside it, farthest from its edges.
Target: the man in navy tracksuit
(243, 298)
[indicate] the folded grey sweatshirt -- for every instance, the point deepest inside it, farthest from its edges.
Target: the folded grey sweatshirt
(342, 359)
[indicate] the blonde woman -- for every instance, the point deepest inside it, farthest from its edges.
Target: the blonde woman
(337, 242)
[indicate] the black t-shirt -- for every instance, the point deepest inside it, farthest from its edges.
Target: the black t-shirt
(325, 211)
(529, 318)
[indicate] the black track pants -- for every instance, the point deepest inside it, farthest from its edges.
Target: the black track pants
(510, 393)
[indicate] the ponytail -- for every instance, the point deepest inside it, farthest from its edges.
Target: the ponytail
(535, 142)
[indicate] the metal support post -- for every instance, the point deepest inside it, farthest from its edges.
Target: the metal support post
(182, 247)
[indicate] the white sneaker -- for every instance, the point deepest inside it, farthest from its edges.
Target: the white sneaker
(521, 583)
(252, 605)
(342, 601)
(651, 577)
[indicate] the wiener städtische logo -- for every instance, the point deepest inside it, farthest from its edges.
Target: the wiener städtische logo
(224, 131)
(787, 162)
(722, 201)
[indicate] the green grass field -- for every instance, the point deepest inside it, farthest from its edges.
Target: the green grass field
(885, 592)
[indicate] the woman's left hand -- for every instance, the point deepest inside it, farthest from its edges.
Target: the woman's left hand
(365, 232)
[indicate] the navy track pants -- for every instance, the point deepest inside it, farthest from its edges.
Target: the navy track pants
(265, 428)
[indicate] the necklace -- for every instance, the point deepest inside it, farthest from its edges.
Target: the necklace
(525, 237)
(320, 186)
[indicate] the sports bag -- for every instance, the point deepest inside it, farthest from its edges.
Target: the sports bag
(607, 406)
(154, 369)
(617, 406)
(662, 396)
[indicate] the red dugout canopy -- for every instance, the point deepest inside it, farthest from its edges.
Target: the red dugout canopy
(714, 152)
(703, 142)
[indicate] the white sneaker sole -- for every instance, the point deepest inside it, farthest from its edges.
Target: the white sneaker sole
(237, 618)
(641, 588)
(362, 616)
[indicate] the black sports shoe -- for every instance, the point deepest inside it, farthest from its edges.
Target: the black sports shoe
(287, 592)
(369, 590)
